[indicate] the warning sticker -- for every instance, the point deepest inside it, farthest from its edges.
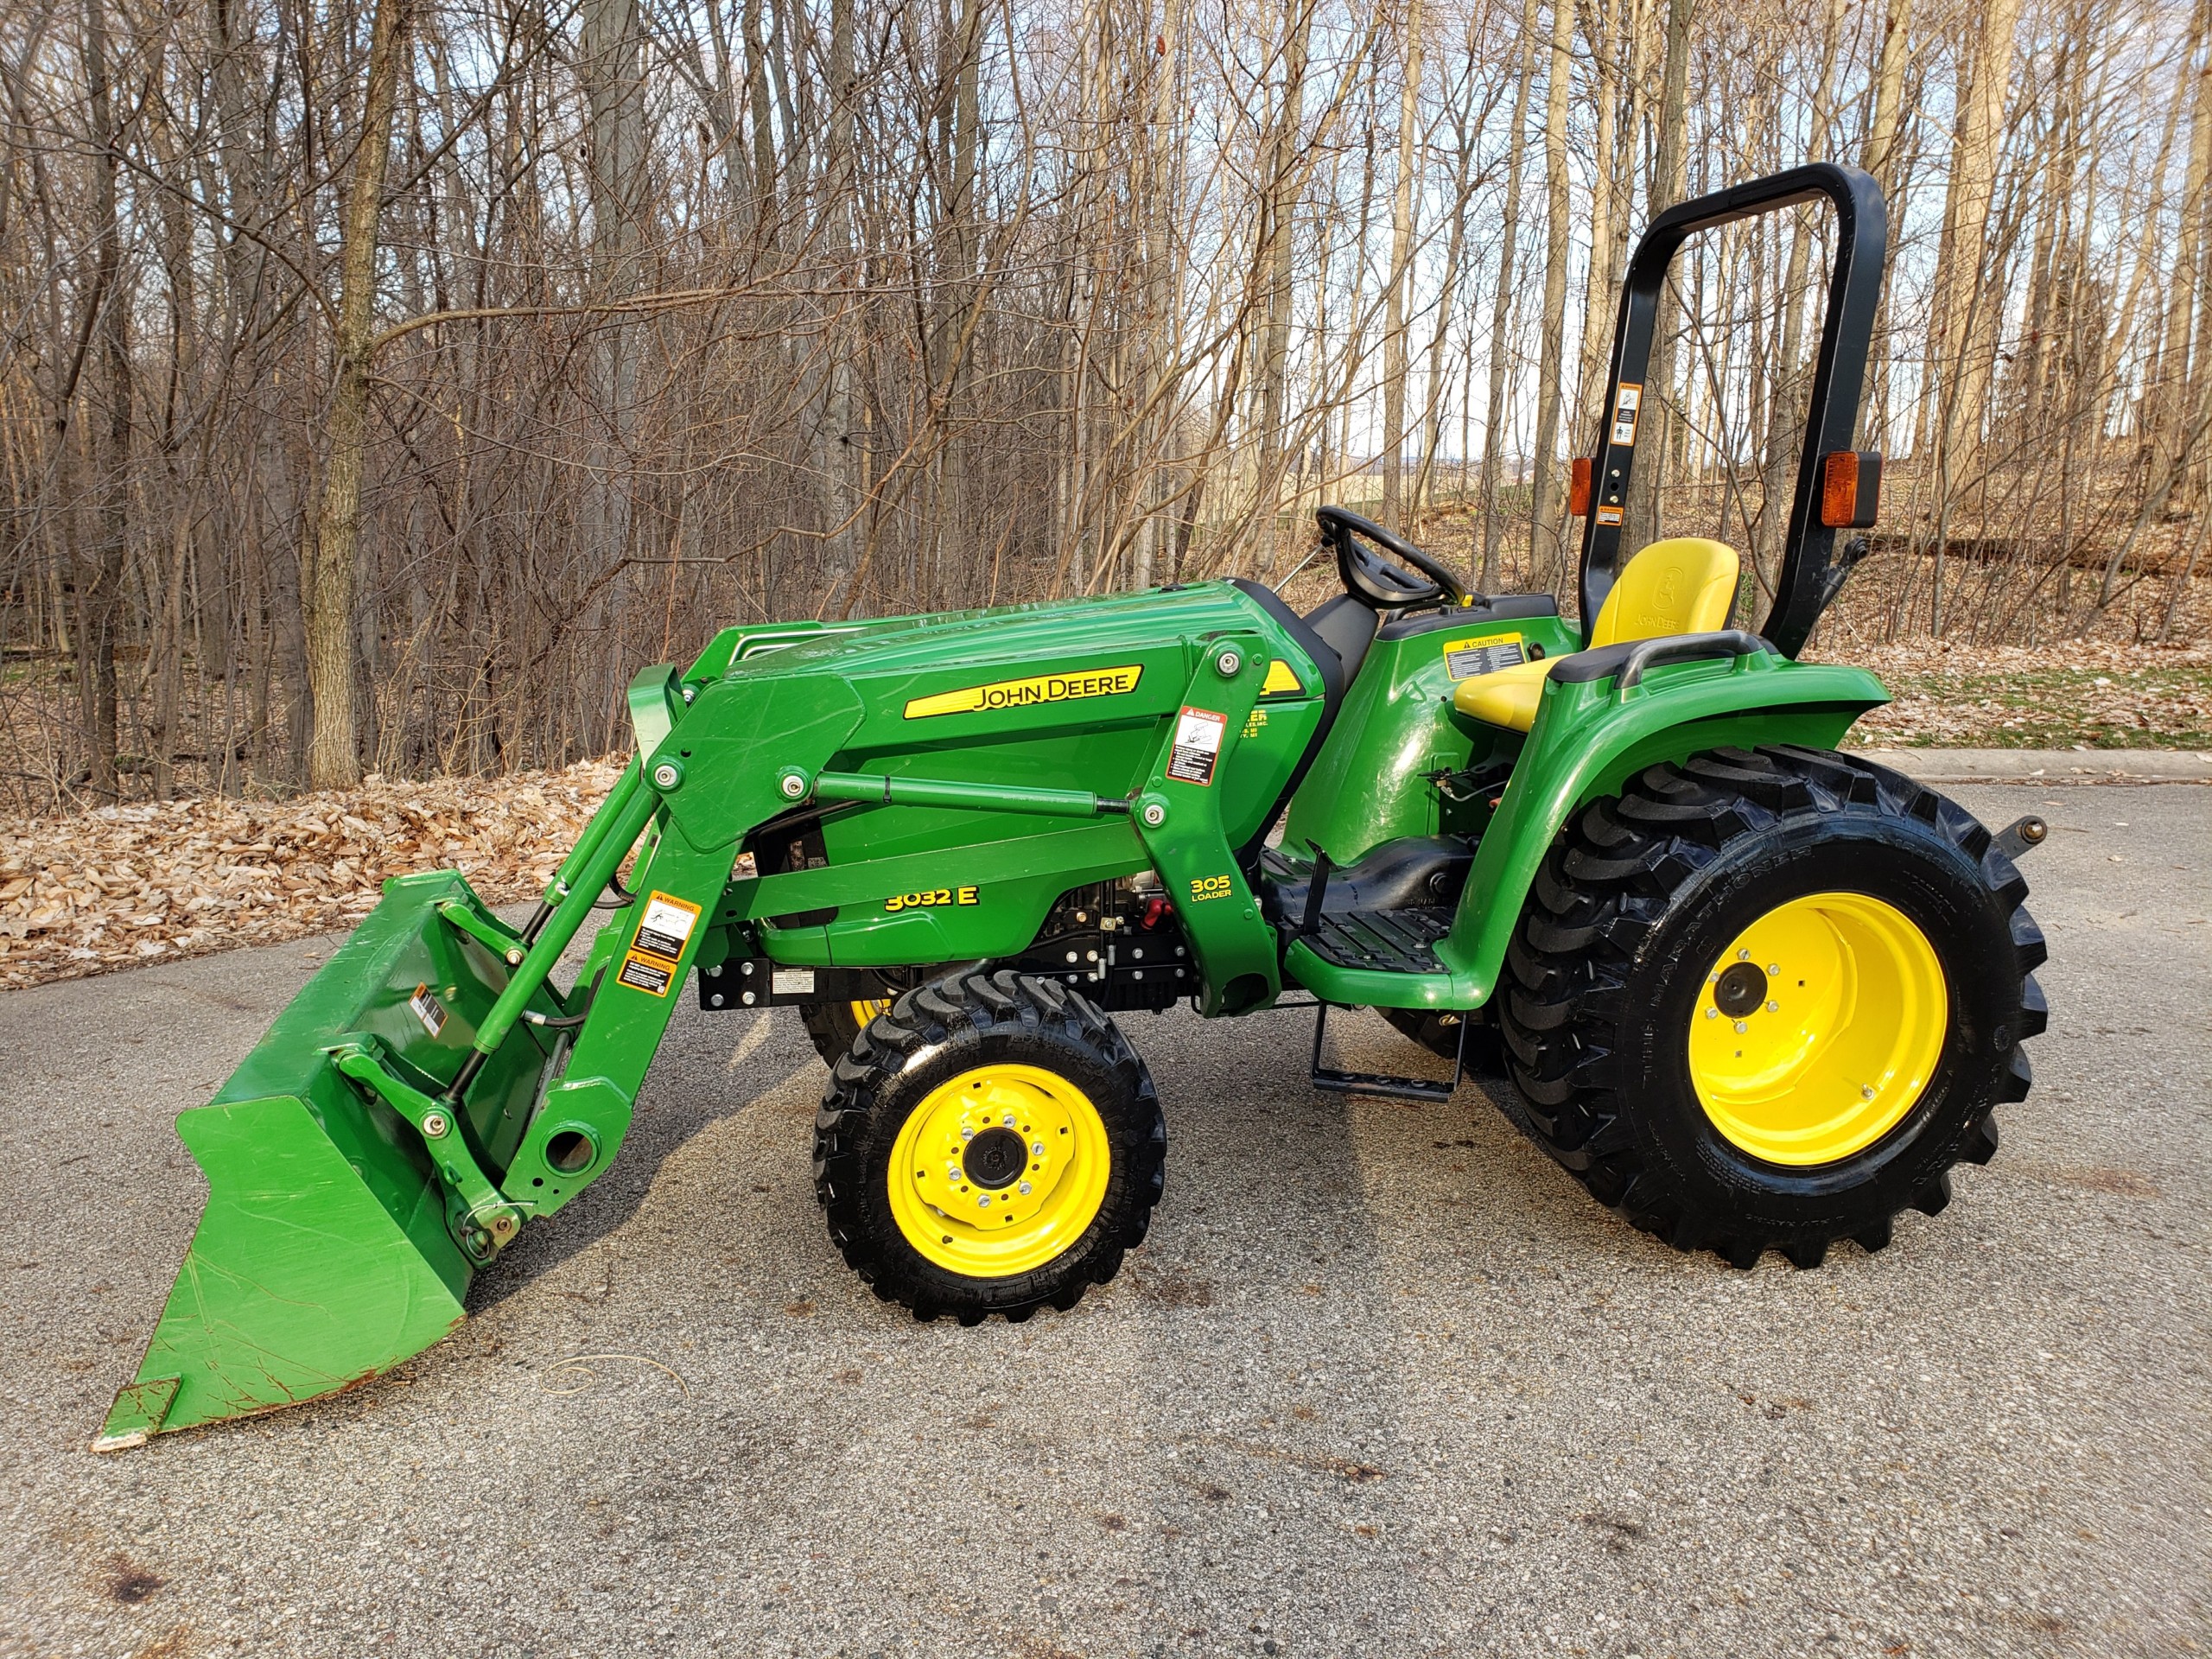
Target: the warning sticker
(425, 1007)
(1624, 410)
(1609, 516)
(644, 973)
(666, 927)
(1198, 733)
(792, 981)
(1464, 659)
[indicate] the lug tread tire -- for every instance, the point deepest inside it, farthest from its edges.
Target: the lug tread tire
(1608, 885)
(980, 1017)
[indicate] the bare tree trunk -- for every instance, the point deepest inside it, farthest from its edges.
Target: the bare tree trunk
(1965, 313)
(1597, 289)
(1278, 205)
(99, 573)
(333, 750)
(1546, 549)
(1402, 253)
(2166, 378)
(1640, 516)
(612, 52)
(1501, 309)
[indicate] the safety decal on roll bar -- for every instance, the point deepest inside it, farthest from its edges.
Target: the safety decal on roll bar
(1626, 402)
(1198, 734)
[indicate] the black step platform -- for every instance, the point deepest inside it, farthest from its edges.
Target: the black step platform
(1392, 941)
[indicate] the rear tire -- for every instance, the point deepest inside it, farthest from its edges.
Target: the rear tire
(1620, 1047)
(988, 1144)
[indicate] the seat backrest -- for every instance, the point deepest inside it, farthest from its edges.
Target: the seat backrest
(1684, 584)
(1348, 626)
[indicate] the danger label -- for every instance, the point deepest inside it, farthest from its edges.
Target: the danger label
(1198, 734)
(666, 927)
(425, 1007)
(644, 973)
(1023, 694)
(1625, 411)
(1465, 658)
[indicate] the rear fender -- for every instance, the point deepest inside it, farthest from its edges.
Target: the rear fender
(1589, 738)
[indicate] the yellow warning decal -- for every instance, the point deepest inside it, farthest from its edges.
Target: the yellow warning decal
(1281, 679)
(1021, 694)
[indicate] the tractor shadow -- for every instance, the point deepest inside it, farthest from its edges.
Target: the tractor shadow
(711, 1067)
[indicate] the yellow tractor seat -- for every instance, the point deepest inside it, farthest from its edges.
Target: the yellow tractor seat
(1684, 584)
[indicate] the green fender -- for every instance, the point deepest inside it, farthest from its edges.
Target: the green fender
(1588, 739)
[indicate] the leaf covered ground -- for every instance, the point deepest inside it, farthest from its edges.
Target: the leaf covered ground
(2073, 695)
(151, 882)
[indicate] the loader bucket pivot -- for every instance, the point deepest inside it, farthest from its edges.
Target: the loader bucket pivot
(332, 1245)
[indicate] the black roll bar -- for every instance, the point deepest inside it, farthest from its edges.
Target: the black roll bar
(1839, 376)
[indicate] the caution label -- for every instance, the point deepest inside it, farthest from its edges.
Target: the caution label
(1198, 734)
(666, 927)
(1022, 693)
(1464, 659)
(1624, 412)
(1282, 681)
(644, 973)
(425, 1007)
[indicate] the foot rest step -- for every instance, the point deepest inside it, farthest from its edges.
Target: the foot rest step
(1433, 1089)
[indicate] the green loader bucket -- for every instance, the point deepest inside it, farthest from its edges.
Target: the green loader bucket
(328, 1249)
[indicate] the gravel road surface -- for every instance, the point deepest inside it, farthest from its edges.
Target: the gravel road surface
(1383, 1381)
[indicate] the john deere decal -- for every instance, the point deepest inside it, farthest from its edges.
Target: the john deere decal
(1020, 694)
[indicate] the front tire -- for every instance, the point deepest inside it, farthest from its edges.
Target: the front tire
(989, 1144)
(831, 1026)
(1766, 1000)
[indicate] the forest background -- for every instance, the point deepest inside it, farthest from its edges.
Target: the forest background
(381, 384)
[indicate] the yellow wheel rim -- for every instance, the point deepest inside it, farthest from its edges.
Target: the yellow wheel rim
(1818, 1029)
(864, 1012)
(998, 1170)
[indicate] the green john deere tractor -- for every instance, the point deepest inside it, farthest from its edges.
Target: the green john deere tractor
(1755, 994)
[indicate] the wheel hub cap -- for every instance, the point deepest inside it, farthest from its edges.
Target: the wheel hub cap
(1818, 1029)
(999, 1170)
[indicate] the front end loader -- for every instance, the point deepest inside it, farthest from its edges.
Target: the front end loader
(1754, 992)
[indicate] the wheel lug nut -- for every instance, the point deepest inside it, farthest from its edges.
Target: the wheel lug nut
(1866, 1091)
(983, 1203)
(1774, 1008)
(966, 1132)
(1037, 1149)
(1741, 1025)
(1023, 1189)
(1713, 1013)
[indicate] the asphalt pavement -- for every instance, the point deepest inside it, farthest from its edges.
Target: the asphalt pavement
(1383, 1381)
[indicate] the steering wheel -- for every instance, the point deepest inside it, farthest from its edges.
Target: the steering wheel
(1374, 580)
